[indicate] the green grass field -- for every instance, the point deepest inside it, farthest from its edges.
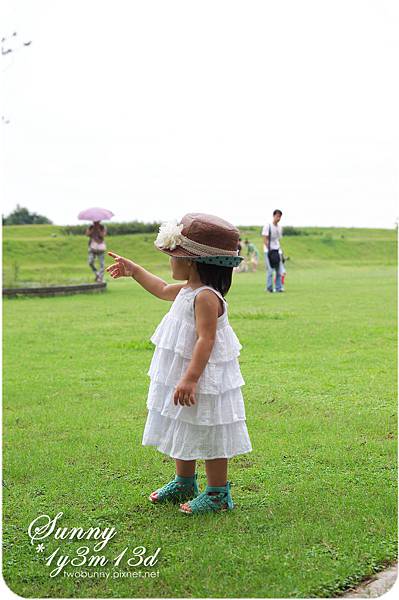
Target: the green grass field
(316, 499)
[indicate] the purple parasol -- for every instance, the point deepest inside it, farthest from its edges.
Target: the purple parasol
(95, 214)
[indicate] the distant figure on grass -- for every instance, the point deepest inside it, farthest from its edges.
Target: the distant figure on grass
(97, 232)
(283, 271)
(243, 264)
(252, 255)
(195, 405)
(272, 233)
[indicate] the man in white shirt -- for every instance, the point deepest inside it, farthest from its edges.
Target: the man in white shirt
(272, 233)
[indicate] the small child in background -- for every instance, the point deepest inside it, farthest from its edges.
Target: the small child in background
(252, 255)
(282, 269)
(242, 267)
(195, 405)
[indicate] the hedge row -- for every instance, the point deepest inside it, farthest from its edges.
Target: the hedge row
(115, 228)
(140, 227)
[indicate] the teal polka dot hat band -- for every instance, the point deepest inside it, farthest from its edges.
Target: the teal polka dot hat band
(201, 237)
(222, 261)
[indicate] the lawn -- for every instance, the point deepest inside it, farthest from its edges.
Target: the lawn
(316, 500)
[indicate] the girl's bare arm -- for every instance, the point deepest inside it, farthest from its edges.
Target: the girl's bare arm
(123, 267)
(206, 312)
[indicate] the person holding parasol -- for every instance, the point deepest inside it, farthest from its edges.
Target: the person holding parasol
(96, 233)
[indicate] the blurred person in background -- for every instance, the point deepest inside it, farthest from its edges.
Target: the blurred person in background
(272, 233)
(96, 232)
(252, 255)
(243, 264)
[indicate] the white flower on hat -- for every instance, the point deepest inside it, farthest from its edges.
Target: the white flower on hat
(169, 235)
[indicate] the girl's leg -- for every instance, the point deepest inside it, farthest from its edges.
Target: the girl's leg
(216, 471)
(185, 468)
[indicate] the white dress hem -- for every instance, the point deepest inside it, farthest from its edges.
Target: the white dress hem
(198, 457)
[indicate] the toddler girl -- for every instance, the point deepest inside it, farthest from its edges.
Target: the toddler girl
(195, 405)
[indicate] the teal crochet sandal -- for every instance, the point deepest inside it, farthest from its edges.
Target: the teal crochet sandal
(207, 501)
(179, 489)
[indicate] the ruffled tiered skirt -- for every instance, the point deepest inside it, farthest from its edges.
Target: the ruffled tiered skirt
(215, 426)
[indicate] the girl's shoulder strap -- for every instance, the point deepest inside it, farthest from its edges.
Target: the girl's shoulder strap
(209, 287)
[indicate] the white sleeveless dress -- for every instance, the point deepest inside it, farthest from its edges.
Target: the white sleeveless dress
(215, 426)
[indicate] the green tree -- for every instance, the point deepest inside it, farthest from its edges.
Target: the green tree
(22, 216)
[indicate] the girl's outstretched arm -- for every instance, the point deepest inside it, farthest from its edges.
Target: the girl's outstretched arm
(123, 267)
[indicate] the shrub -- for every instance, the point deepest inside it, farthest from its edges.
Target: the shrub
(289, 230)
(115, 228)
(22, 216)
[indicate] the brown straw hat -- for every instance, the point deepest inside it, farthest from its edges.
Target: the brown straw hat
(202, 237)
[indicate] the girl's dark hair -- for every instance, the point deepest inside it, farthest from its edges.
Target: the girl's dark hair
(216, 276)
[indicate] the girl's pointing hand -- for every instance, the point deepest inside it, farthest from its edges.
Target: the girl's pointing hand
(122, 267)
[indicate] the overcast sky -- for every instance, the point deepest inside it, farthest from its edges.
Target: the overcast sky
(157, 108)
